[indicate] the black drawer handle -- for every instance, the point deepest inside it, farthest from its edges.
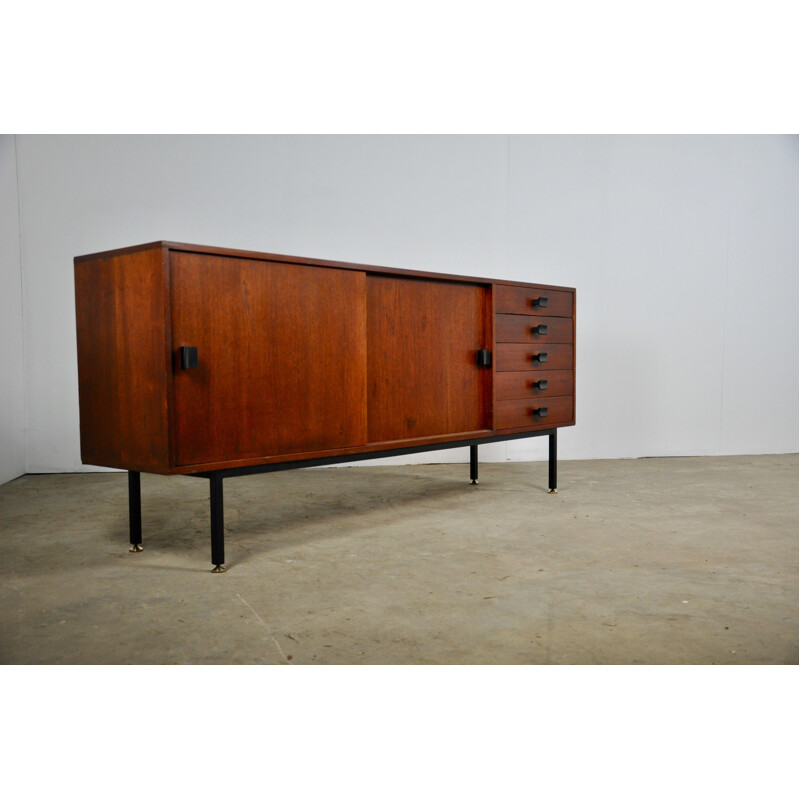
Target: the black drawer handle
(541, 358)
(188, 357)
(539, 302)
(540, 412)
(539, 330)
(540, 385)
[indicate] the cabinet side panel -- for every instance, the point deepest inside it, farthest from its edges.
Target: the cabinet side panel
(574, 355)
(122, 378)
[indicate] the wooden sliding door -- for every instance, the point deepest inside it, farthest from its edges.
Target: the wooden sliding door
(281, 358)
(422, 376)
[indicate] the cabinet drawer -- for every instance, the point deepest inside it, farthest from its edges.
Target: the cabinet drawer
(543, 412)
(530, 300)
(520, 385)
(518, 357)
(525, 328)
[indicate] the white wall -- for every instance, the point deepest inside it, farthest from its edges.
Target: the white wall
(12, 406)
(683, 251)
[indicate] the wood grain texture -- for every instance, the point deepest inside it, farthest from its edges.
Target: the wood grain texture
(120, 307)
(421, 360)
(282, 358)
(255, 255)
(518, 385)
(299, 357)
(523, 327)
(518, 357)
(519, 413)
(574, 354)
(520, 300)
(372, 447)
(489, 341)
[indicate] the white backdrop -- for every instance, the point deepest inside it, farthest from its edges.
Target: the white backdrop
(683, 250)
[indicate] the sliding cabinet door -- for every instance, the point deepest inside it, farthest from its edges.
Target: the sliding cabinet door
(281, 358)
(422, 375)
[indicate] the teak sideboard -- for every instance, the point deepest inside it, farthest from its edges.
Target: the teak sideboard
(214, 362)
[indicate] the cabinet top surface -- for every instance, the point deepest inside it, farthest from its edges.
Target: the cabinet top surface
(275, 257)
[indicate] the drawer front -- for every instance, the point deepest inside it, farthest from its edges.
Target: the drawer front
(530, 300)
(528, 384)
(525, 328)
(544, 412)
(518, 357)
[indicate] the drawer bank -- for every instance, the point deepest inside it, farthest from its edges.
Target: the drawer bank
(217, 363)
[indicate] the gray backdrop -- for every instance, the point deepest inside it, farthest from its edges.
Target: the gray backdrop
(683, 250)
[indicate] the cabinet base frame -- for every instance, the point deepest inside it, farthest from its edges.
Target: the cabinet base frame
(216, 477)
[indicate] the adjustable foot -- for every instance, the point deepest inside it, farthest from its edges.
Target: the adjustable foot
(220, 568)
(552, 491)
(474, 483)
(136, 548)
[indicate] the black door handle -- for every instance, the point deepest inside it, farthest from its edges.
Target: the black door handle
(188, 357)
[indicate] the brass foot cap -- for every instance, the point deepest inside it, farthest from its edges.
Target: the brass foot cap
(474, 483)
(219, 568)
(552, 491)
(136, 548)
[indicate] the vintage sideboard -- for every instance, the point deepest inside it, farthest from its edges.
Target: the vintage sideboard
(216, 363)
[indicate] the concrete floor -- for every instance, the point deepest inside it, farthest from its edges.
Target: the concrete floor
(649, 561)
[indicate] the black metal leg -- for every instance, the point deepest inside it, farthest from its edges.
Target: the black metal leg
(135, 510)
(217, 523)
(473, 463)
(553, 461)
